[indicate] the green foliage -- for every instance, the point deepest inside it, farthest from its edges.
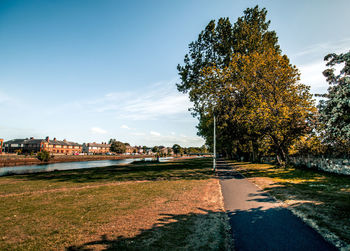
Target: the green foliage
(264, 100)
(237, 72)
(43, 156)
(216, 44)
(155, 149)
(204, 149)
(144, 148)
(177, 149)
(309, 144)
(335, 109)
(117, 146)
(192, 150)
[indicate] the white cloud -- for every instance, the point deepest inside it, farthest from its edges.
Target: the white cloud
(323, 49)
(4, 98)
(154, 133)
(125, 127)
(312, 63)
(157, 100)
(97, 130)
(170, 140)
(311, 74)
(138, 133)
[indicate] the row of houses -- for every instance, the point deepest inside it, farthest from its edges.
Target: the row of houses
(54, 146)
(37, 145)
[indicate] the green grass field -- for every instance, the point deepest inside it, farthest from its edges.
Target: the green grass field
(321, 199)
(170, 205)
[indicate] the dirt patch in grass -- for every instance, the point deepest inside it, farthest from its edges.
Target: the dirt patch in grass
(322, 200)
(113, 210)
(192, 220)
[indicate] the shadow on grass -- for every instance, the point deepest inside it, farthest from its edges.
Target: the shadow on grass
(322, 197)
(192, 231)
(225, 171)
(193, 169)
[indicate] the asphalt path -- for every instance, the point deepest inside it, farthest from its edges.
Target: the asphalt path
(259, 222)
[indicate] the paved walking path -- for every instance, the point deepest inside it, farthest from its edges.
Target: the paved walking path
(259, 222)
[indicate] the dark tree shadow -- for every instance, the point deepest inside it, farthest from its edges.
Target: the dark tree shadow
(194, 169)
(273, 229)
(322, 197)
(225, 171)
(172, 232)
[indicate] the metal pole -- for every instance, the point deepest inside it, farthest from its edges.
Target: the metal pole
(214, 154)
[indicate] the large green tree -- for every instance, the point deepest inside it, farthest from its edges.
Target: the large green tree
(335, 109)
(214, 47)
(117, 146)
(237, 72)
(260, 96)
(218, 41)
(177, 149)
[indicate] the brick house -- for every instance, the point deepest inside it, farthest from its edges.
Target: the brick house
(63, 147)
(37, 145)
(1, 144)
(170, 151)
(129, 149)
(96, 148)
(14, 145)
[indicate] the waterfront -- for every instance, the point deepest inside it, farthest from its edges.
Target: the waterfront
(68, 166)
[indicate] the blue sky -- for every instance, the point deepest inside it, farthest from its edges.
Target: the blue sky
(94, 70)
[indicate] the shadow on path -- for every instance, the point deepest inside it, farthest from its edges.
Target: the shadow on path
(259, 222)
(273, 229)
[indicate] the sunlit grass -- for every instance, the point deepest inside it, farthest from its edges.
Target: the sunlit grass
(120, 205)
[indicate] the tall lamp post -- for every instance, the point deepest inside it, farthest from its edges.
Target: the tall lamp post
(214, 153)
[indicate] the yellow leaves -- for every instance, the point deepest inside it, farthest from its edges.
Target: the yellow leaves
(260, 92)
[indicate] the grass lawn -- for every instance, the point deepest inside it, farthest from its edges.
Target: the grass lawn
(321, 199)
(155, 206)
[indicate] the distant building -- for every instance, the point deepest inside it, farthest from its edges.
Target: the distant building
(1, 143)
(13, 145)
(38, 145)
(95, 148)
(63, 147)
(170, 151)
(129, 149)
(139, 149)
(163, 150)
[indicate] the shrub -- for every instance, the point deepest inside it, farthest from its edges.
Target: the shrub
(43, 156)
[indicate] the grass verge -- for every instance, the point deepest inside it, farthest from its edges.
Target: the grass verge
(321, 199)
(171, 205)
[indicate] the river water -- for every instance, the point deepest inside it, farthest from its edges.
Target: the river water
(68, 166)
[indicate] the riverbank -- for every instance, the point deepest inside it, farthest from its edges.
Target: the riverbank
(22, 160)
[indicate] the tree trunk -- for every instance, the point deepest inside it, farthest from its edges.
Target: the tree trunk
(255, 148)
(281, 157)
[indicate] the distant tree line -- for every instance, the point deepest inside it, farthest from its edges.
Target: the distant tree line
(178, 150)
(120, 148)
(238, 73)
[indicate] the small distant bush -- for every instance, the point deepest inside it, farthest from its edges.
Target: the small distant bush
(43, 156)
(143, 161)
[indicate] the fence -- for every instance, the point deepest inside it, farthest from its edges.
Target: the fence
(339, 166)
